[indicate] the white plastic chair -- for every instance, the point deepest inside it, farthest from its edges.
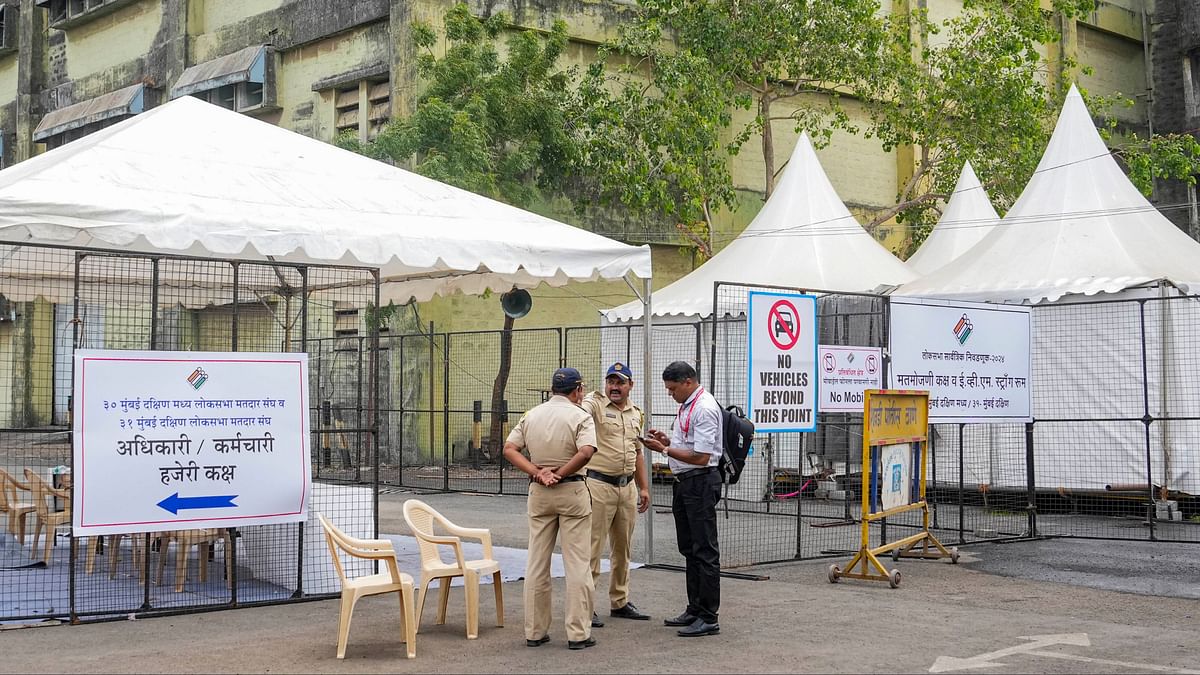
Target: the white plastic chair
(421, 519)
(390, 581)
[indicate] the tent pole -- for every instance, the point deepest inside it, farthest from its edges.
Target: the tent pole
(648, 406)
(1165, 330)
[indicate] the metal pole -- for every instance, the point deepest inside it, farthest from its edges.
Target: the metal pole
(648, 405)
(962, 539)
(373, 407)
(303, 349)
(446, 411)
(1030, 480)
(1146, 421)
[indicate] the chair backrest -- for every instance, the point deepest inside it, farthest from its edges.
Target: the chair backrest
(334, 537)
(8, 490)
(420, 518)
(43, 497)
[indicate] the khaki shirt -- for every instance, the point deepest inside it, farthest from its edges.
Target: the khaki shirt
(553, 432)
(617, 430)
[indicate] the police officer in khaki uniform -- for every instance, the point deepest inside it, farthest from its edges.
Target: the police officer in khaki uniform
(560, 438)
(617, 480)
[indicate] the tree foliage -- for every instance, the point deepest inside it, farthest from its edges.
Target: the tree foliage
(487, 123)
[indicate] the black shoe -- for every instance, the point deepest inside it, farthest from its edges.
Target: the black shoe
(538, 642)
(581, 644)
(628, 612)
(596, 622)
(700, 627)
(684, 619)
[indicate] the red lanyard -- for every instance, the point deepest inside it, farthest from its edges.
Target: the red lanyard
(687, 424)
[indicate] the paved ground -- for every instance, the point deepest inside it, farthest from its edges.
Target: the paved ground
(943, 618)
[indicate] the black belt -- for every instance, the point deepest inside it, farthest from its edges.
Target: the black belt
(692, 473)
(565, 479)
(619, 481)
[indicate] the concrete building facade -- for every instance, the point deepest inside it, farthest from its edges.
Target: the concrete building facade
(322, 67)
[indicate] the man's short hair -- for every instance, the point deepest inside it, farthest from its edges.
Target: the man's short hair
(679, 371)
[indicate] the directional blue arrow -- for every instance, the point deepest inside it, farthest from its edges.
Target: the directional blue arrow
(175, 503)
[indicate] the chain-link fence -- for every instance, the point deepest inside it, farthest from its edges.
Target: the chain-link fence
(58, 299)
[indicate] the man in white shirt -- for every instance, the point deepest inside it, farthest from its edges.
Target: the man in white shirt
(693, 451)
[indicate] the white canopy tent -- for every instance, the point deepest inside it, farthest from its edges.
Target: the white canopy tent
(968, 218)
(195, 179)
(804, 237)
(1081, 229)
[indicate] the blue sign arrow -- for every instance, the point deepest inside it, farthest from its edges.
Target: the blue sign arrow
(175, 503)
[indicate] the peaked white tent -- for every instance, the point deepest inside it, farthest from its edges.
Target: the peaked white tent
(968, 218)
(1079, 227)
(804, 237)
(192, 178)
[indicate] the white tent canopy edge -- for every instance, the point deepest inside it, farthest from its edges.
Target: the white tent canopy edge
(190, 178)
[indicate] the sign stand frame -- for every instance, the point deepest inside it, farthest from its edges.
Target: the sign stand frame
(880, 429)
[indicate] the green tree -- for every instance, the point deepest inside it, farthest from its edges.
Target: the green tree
(489, 123)
(486, 122)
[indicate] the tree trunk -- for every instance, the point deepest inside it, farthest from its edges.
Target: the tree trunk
(496, 430)
(768, 143)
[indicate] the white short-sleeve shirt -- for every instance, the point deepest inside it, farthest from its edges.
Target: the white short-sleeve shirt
(697, 427)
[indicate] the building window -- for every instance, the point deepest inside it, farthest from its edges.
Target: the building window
(68, 13)
(8, 29)
(77, 120)
(362, 107)
(243, 81)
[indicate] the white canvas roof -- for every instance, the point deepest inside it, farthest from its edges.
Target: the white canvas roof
(804, 237)
(1079, 226)
(968, 218)
(192, 178)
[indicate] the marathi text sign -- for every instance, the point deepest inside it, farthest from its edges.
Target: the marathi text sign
(782, 346)
(846, 372)
(183, 440)
(972, 358)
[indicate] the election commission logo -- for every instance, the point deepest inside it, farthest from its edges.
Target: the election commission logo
(962, 329)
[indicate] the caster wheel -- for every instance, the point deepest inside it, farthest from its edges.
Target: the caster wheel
(894, 578)
(895, 555)
(954, 556)
(835, 573)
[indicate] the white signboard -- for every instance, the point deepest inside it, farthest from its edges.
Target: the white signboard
(186, 440)
(972, 358)
(783, 353)
(846, 372)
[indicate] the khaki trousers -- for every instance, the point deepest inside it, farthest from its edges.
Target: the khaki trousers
(564, 509)
(614, 513)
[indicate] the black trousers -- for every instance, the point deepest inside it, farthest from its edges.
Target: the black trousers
(694, 505)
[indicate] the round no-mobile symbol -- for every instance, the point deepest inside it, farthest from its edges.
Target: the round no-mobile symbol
(783, 325)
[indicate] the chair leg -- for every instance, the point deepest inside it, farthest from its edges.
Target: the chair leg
(499, 599)
(471, 586)
(348, 601)
(407, 618)
(202, 561)
(181, 564)
(114, 553)
(37, 535)
(164, 543)
(443, 600)
(21, 523)
(49, 543)
(93, 545)
(421, 601)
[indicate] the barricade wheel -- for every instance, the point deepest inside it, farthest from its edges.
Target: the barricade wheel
(895, 555)
(894, 578)
(954, 556)
(835, 573)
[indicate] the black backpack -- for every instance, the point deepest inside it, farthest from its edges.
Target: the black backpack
(738, 434)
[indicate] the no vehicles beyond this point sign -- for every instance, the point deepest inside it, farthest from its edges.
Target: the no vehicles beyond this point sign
(782, 333)
(783, 325)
